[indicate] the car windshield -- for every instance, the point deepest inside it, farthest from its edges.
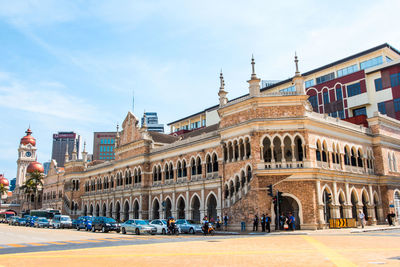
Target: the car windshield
(164, 221)
(65, 219)
(109, 220)
(141, 222)
(43, 220)
(191, 221)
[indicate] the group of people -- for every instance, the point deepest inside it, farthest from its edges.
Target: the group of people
(265, 223)
(286, 222)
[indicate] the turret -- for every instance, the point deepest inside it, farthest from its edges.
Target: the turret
(222, 93)
(298, 79)
(254, 82)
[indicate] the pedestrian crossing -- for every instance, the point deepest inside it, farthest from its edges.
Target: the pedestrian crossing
(94, 240)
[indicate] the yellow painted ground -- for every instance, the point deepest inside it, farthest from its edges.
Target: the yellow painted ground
(250, 251)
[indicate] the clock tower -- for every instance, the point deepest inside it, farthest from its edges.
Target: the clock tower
(26, 155)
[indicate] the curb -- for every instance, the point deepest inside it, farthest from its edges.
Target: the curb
(375, 229)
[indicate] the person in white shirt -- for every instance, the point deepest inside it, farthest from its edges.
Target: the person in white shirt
(361, 216)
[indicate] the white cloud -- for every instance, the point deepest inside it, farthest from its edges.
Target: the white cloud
(45, 98)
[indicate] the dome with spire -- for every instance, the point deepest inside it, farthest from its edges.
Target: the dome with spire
(28, 138)
(35, 167)
(4, 181)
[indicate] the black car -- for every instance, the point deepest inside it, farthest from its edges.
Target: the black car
(105, 224)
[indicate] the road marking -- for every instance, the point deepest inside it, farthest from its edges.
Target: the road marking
(57, 243)
(37, 244)
(90, 240)
(332, 255)
(104, 239)
(16, 245)
(75, 242)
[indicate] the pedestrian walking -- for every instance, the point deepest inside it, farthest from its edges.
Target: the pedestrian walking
(282, 220)
(268, 223)
(263, 223)
(218, 223)
(255, 223)
(292, 222)
(361, 216)
(226, 219)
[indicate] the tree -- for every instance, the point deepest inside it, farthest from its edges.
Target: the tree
(33, 185)
(3, 190)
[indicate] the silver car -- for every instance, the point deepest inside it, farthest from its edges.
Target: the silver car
(138, 227)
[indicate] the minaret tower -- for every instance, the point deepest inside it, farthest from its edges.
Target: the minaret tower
(222, 93)
(74, 153)
(254, 82)
(298, 79)
(66, 157)
(26, 155)
(84, 153)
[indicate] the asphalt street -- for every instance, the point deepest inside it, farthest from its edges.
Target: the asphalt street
(20, 246)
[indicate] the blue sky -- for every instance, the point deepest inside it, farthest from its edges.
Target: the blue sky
(72, 65)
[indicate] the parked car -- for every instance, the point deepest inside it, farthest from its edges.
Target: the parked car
(160, 225)
(189, 226)
(105, 224)
(138, 227)
(61, 221)
(74, 223)
(41, 222)
(13, 220)
(84, 222)
(21, 221)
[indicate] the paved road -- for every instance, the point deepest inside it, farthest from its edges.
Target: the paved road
(95, 249)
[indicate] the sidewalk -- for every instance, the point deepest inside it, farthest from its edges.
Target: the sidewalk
(321, 231)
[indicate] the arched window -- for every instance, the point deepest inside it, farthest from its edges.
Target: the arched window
(171, 171)
(208, 164)
(198, 165)
(179, 169)
(215, 163)
(318, 152)
(249, 174)
(193, 166)
(184, 168)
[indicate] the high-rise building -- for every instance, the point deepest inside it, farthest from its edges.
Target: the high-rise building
(46, 166)
(152, 122)
(103, 145)
(61, 141)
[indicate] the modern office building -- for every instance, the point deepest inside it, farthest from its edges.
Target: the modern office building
(62, 141)
(46, 166)
(152, 122)
(103, 146)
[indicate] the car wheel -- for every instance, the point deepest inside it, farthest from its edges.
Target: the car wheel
(137, 231)
(123, 230)
(103, 229)
(77, 228)
(86, 229)
(93, 229)
(191, 231)
(163, 231)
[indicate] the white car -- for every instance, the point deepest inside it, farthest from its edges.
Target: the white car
(61, 221)
(160, 225)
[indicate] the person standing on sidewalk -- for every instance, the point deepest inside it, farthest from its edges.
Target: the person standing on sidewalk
(361, 216)
(255, 223)
(263, 222)
(268, 223)
(226, 219)
(292, 222)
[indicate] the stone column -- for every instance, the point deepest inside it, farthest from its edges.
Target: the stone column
(293, 153)
(262, 152)
(283, 153)
(173, 208)
(245, 151)
(272, 154)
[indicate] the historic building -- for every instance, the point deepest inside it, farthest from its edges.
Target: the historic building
(325, 167)
(26, 164)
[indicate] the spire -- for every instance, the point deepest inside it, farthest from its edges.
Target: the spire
(253, 69)
(254, 82)
(144, 124)
(296, 62)
(84, 153)
(74, 153)
(222, 93)
(66, 158)
(117, 137)
(298, 79)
